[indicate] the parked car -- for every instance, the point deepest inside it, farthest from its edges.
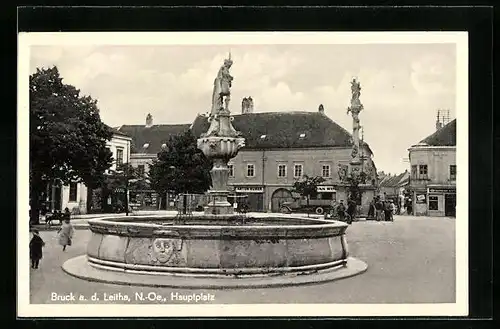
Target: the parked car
(300, 205)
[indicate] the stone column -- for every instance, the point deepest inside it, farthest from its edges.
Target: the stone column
(218, 204)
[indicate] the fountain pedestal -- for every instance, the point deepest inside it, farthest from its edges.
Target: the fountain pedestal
(220, 143)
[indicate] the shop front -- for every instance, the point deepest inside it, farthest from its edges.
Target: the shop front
(254, 197)
(441, 201)
(143, 200)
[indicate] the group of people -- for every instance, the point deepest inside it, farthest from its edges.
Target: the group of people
(343, 212)
(65, 236)
(381, 210)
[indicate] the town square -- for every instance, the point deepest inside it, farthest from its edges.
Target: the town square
(243, 173)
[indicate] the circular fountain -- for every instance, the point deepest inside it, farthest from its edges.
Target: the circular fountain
(232, 250)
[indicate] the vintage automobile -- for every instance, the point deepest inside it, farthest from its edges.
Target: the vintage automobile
(301, 205)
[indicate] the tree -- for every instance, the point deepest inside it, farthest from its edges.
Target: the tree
(67, 137)
(122, 179)
(353, 182)
(307, 187)
(181, 167)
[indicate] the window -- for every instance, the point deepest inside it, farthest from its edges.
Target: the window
(414, 171)
(250, 170)
(297, 171)
(140, 170)
(453, 172)
(73, 189)
(231, 170)
(281, 170)
(433, 202)
(119, 156)
(422, 171)
(325, 171)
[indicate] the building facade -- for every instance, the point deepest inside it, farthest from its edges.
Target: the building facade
(433, 173)
(147, 141)
(280, 148)
(75, 195)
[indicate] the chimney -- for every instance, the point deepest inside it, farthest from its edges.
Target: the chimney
(149, 120)
(439, 124)
(247, 105)
(321, 109)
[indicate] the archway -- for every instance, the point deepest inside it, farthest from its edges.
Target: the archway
(278, 197)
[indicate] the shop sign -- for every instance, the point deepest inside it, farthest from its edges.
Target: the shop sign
(325, 189)
(442, 190)
(421, 198)
(250, 189)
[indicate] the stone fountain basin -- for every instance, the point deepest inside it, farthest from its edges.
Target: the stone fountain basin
(217, 246)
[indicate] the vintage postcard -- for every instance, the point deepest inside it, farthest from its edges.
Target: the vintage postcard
(242, 174)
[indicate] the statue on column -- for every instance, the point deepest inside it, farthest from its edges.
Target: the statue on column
(354, 109)
(219, 114)
(222, 88)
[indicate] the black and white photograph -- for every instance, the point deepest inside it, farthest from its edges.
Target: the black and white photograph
(182, 174)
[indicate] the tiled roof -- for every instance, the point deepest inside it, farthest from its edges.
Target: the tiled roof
(153, 136)
(395, 181)
(446, 136)
(284, 130)
(115, 131)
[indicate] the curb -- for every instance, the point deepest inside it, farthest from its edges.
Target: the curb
(80, 268)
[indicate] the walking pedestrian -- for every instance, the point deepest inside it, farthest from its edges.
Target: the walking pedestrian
(36, 245)
(65, 234)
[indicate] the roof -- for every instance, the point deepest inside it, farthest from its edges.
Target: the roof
(445, 136)
(284, 130)
(155, 136)
(395, 181)
(115, 131)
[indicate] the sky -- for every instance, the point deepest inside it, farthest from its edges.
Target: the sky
(403, 85)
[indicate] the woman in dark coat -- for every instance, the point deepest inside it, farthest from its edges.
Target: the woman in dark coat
(36, 245)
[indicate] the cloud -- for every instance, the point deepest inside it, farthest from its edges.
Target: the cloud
(402, 86)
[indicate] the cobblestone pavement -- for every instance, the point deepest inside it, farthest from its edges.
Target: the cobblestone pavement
(411, 260)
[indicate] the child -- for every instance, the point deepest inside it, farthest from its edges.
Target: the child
(36, 245)
(65, 234)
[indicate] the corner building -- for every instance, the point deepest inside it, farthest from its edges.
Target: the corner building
(433, 173)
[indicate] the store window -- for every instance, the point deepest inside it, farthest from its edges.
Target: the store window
(433, 202)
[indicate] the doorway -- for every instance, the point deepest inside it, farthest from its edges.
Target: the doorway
(279, 196)
(450, 203)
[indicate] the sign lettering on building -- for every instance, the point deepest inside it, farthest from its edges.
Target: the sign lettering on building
(325, 189)
(250, 189)
(442, 190)
(421, 198)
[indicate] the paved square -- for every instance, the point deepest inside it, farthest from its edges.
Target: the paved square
(411, 260)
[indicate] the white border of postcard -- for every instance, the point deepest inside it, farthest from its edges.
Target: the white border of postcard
(25, 309)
